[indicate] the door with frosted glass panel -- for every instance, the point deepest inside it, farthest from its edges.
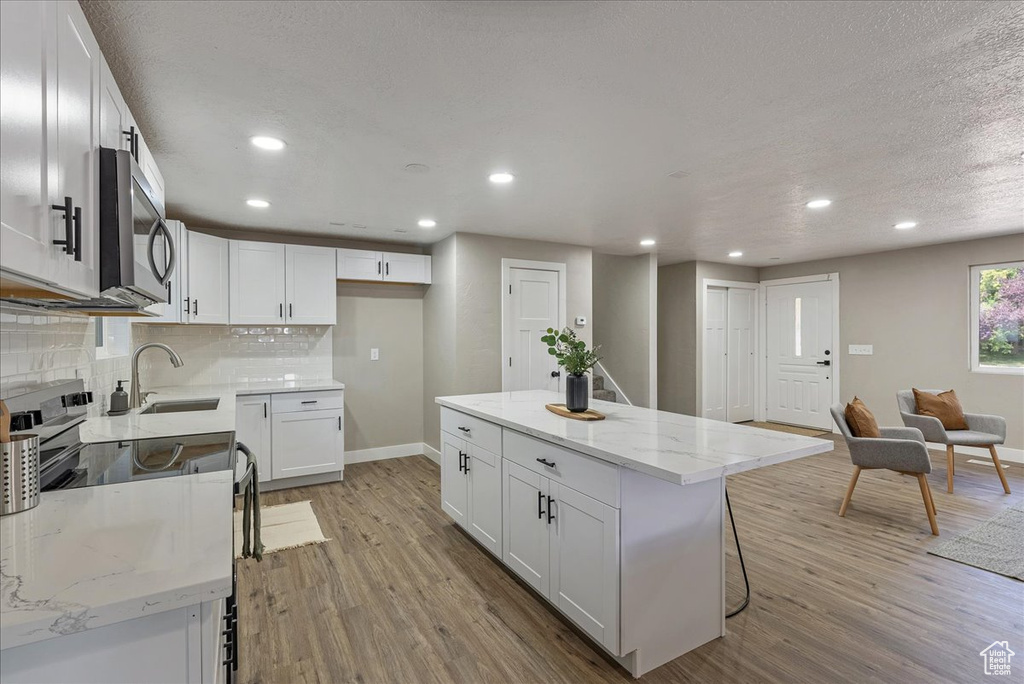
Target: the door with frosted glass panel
(800, 354)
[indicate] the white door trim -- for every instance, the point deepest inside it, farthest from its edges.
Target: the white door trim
(506, 283)
(762, 303)
(758, 340)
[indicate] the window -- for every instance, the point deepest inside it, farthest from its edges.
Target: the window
(997, 318)
(113, 336)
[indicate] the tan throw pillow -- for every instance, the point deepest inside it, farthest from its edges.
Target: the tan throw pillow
(861, 421)
(944, 406)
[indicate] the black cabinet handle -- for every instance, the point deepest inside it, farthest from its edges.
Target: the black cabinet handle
(133, 141)
(310, 401)
(290, 311)
(195, 307)
(465, 468)
(339, 423)
(464, 429)
(549, 464)
(264, 409)
(378, 268)
(280, 310)
(460, 459)
(69, 218)
(77, 220)
(551, 516)
(540, 505)
(387, 268)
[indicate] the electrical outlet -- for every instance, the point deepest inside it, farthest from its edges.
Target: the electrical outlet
(375, 354)
(862, 349)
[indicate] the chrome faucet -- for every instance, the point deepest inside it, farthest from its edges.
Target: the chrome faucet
(135, 399)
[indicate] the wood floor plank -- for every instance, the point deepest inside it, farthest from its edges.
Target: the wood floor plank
(399, 594)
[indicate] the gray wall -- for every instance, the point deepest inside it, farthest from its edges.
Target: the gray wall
(462, 318)
(913, 306)
(383, 399)
(622, 321)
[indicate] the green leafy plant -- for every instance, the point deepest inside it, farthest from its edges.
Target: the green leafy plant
(571, 352)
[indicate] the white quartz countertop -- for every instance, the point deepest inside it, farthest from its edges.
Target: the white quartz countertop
(670, 446)
(90, 557)
(137, 425)
(267, 386)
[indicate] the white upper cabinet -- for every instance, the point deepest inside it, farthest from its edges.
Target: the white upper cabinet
(257, 283)
(148, 165)
(358, 264)
(27, 53)
(207, 279)
(407, 268)
(115, 119)
(78, 139)
(310, 285)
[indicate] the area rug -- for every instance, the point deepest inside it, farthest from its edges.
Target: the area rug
(791, 429)
(996, 545)
(286, 526)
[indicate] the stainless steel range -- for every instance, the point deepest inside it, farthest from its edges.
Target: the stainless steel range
(56, 410)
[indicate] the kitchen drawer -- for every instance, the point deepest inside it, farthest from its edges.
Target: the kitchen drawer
(595, 478)
(308, 401)
(473, 430)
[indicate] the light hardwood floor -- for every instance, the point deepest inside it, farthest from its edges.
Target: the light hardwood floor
(399, 594)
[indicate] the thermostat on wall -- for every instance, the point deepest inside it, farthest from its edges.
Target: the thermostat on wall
(581, 321)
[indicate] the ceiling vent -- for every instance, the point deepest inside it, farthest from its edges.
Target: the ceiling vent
(679, 174)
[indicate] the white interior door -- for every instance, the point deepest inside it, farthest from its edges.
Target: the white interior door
(740, 359)
(715, 383)
(533, 308)
(799, 354)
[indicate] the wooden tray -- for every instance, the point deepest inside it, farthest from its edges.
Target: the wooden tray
(589, 414)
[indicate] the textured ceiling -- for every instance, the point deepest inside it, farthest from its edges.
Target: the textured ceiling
(894, 110)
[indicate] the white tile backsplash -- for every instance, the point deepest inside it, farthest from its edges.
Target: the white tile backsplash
(37, 348)
(215, 354)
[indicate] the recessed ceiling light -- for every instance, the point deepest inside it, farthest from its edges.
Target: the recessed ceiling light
(735, 254)
(905, 225)
(258, 203)
(501, 177)
(427, 223)
(267, 143)
(818, 203)
(647, 242)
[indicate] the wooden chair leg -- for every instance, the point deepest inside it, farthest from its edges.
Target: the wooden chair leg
(849, 491)
(926, 497)
(999, 467)
(949, 468)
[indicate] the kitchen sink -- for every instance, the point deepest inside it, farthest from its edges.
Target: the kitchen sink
(181, 406)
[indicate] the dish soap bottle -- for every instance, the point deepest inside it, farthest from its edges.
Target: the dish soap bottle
(118, 401)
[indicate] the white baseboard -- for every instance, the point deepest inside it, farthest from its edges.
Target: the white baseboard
(432, 453)
(382, 453)
(1006, 454)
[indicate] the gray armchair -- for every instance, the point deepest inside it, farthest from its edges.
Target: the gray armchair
(985, 431)
(899, 448)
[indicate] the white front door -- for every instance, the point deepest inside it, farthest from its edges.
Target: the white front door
(740, 360)
(800, 354)
(715, 368)
(533, 307)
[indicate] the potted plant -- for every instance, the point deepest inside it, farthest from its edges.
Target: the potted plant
(572, 355)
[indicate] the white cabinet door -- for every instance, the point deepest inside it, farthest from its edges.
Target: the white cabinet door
(307, 443)
(114, 115)
(311, 273)
(252, 428)
(406, 268)
(208, 278)
(585, 563)
(152, 172)
(77, 144)
(257, 283)
(359, 264)
(484, 471)
(454, 482)
(525, 523)
(27, 53)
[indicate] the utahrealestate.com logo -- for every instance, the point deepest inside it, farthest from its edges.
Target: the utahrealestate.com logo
(997, 658)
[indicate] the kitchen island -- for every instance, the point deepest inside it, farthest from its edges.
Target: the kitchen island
(619, 523)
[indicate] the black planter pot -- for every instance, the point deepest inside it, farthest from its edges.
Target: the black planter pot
(576, 399)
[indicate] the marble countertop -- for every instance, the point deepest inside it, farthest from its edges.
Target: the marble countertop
(90, 557)
(670, 446)
(136, 425)
(266, 386)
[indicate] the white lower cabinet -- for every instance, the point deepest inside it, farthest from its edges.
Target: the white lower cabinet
(471, 490)
(454, 483)
(293, 434)
(526, 528)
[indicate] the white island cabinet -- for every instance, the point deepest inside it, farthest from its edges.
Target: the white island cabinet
(619, 523)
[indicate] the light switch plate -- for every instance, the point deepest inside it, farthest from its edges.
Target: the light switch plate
(862, 349)
(375, 354)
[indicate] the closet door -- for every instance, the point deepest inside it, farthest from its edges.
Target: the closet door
(715, 385)
(740, 360)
